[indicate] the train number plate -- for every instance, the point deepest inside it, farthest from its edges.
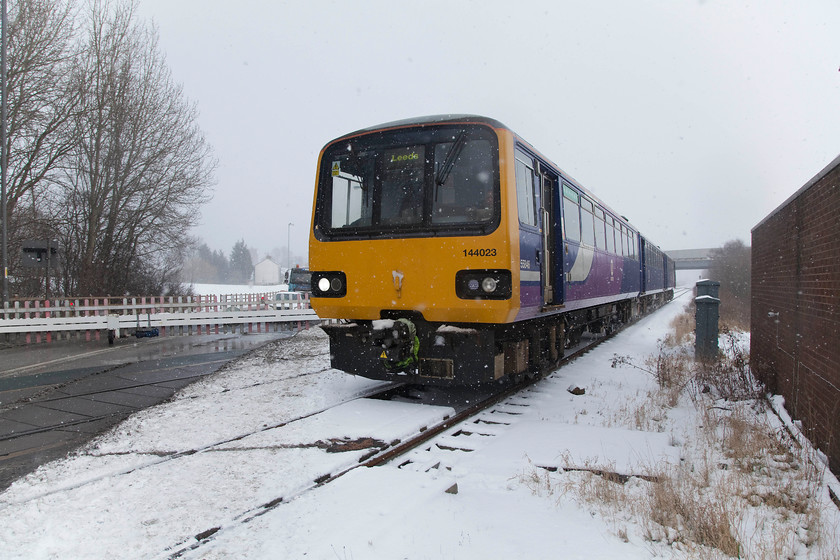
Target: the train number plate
(479, 252)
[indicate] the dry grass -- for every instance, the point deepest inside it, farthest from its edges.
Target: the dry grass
(683, 326)
(744, 490)
(683, 510)
(672, 371)
(729, 377)
(671, 368)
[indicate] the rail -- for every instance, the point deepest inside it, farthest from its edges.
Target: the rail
(87, 317)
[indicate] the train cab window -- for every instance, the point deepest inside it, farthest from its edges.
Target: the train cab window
(466, 192)
(600, 232)
(409, 182)
(526, 199)
(348, 196)
(571, 213)
(587, 222)
(401, 188)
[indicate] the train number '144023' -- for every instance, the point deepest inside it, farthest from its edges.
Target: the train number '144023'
(479, 252)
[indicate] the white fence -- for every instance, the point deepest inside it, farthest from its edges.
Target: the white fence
(89, 318)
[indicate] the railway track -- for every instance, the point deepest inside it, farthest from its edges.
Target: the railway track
(381, 453)
(419, 451)
(483, 405)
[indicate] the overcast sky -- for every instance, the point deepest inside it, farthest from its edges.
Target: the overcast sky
(694, 119)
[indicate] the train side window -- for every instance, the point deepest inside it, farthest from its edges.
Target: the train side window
(622, 233)
(587, 222)
(571, 212)
(610, 235)
(632, 243)
(617, 235)
(525, 199)
(600, 224)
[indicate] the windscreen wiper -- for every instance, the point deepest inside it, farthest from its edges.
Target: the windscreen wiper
(454, 151)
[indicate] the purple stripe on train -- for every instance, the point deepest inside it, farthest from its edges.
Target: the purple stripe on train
(587, 276)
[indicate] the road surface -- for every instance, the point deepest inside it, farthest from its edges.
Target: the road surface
(54, 397)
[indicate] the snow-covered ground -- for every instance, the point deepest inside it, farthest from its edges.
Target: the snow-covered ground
(547, 474)
(227, 289)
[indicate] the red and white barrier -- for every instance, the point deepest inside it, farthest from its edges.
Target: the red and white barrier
(85, 318)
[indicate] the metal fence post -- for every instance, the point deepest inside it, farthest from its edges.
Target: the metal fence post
(706, 316)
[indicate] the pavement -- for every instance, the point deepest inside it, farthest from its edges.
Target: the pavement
(55, 397)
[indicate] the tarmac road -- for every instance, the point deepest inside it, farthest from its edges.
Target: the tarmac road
(54, 397)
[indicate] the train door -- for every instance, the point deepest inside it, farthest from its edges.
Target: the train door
(537, 191)
(552, 285)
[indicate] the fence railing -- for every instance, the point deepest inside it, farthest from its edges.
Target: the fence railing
(85, 318)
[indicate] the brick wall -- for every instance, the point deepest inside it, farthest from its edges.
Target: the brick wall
(795, 314)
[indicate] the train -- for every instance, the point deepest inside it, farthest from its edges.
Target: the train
(446, 250)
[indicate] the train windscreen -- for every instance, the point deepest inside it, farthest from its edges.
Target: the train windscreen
(425, 181)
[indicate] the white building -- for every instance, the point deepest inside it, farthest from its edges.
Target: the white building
(266, 272)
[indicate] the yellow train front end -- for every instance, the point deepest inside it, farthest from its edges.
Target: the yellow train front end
(411, 249)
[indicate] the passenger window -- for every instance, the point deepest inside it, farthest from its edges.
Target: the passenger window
(525, 199)
(610, 235)
(622, 233)
(587, 223)
(600, 236)
(571, 213)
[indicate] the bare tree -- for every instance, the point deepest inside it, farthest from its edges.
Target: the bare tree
(41, 104)
(731, 265)
(139, 168)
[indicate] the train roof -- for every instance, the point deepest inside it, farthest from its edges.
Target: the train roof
(429, 120)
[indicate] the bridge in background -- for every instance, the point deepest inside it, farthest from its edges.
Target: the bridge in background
(691, 259)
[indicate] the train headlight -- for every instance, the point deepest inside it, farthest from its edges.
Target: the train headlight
(489, 284)
(329, 284)
(483, 284)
